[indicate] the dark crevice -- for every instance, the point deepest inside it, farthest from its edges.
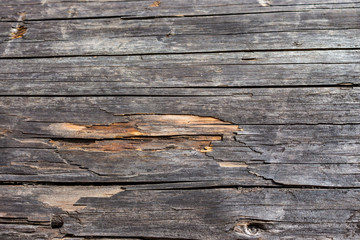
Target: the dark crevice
(344, 86)
(299, 124)
(187, 53)
(133, 138)
(125, 237)
(127, 185)
(110, 183)
(22, 221)
(134, 17)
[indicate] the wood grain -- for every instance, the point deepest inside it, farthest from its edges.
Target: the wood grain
(144, 75)
(179, 120)
(116, 36)
(55, 9)
(233, 213)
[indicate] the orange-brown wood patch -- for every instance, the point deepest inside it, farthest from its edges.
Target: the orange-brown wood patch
(144, 133)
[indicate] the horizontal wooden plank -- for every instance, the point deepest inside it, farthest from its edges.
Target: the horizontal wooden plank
(116, 212)
(242, 106)
(317, 29)
(322, 155)
(147, 75)
(55, 9)
(96, 139)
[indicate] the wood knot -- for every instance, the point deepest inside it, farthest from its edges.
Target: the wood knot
(249, 229)
(56, 221)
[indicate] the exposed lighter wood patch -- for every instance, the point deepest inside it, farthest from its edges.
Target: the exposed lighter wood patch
(144, 132)
(264, 3)
(155, 4)
(169, 126)
(206, 149)
(149, 144)
(65, 199)
(20, 29)
(66, 127)
(3, 131)
(146, 125)
(232, 165)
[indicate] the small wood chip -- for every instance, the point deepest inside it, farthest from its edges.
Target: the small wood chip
(155, 4)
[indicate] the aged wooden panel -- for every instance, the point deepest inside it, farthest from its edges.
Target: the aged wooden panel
(206, 119)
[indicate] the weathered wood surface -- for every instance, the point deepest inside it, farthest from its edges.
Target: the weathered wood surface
(54, 9)
(143, 75)
(293, 30)
(233, 213)
(179, 119)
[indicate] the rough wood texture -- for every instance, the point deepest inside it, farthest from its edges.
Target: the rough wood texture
(143, 75)
(179, 120)
(291, 30)
(233, 213)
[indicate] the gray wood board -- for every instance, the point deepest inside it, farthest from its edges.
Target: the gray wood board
(338, 105)
(55, 9)
(143, 75)
(264, 137)
(233, 213)
(316, 29)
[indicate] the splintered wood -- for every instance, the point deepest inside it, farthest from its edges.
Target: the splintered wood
(144, 133)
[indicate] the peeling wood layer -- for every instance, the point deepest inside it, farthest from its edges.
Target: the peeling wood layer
(147, 126)
(144, 133)
(61, 198)
(139, 144)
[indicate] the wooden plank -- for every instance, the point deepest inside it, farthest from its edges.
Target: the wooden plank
(114, 212)
(240, 106)
(115, 36)
(315, 155)
(147, 75)
(55, 9)
(80, 143)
